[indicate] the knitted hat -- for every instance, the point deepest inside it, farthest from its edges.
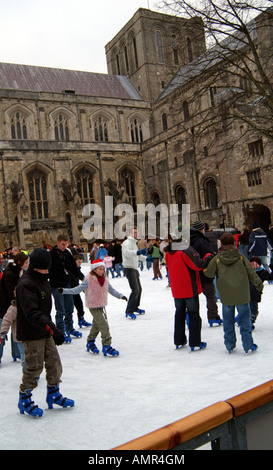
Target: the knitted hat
(96, 264)
(255, 265)
(255, 224)
(198, 225)
(40, 259)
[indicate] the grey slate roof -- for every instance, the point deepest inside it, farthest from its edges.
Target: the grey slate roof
(53, 80)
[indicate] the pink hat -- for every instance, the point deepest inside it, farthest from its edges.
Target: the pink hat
(96, 264)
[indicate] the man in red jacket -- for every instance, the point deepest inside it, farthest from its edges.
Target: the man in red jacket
(183, 267)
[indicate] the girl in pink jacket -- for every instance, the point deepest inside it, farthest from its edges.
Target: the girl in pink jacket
(97, 287)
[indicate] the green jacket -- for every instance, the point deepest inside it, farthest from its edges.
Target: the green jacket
(233, 273)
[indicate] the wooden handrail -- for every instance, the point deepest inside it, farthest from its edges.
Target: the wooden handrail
(183, 430)
(251, 399)
(202, 421)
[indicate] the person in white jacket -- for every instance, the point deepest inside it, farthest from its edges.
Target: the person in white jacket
(130, 255)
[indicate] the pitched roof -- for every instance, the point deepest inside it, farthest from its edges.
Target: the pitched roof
(53, 80)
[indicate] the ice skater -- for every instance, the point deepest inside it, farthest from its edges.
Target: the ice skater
(97, 287)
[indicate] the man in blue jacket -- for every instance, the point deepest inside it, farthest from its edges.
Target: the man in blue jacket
(259, 244)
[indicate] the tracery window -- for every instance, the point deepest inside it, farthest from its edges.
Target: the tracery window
(37, 186)
(61, 128)
(101, 130)
(136, 131)
(18, 126)
(126, 180)
(180, 196)
(210, 191)
(84, 182)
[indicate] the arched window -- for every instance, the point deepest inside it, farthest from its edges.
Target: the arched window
(189, 48)
(159, 47)
(126, 181)
(185, 109)
(126, 59)
(136, 131)
(37, 186)
(164, 122)
(18, 126)
(180, 196)
(155, 199)
(84, 182)
(210, 191)
(100, 130)
(61, 128)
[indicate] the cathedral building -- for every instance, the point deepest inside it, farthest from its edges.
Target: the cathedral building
(70, 138)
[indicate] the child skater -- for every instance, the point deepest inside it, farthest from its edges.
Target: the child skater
(96, 287)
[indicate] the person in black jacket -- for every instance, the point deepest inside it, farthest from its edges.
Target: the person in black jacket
(202, 245)
(63, 267)
(39, 335)
(8, 283)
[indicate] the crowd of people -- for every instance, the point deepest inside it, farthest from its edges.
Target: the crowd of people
(222, 265)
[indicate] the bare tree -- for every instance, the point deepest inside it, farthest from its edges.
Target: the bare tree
(237, 67)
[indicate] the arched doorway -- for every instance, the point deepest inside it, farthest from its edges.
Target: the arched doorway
(257, 213)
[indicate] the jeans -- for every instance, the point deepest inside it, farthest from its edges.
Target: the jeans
(264, 261)
(136, 289)
(64, 305)
(118, 268)
(183, 307)
(244, 325)
(15, 350)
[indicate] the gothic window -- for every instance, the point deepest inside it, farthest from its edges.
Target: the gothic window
(61, 128)
(84, 181)
(126, 179)
(210, 191)
(118, 64)
(189, 48)
(180, 196)
(135, 52)
(164, 122)
(126, 59)
(155, 199)
(175, 46)
(136, 131)
(159, 47)
(100, 129)
(18, 126)
(186, 112)
(37, 186)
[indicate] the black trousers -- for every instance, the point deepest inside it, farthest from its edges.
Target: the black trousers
(183, 307)
(136, 289)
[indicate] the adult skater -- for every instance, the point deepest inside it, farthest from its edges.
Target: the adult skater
(183, 268)
(233, 272)
(259, 245)
(39, 335)
(201, 244)
(130, 264)
(62, 267)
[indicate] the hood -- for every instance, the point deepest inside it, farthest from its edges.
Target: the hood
(230, 256)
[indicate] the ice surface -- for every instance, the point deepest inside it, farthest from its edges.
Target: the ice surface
(149, 385)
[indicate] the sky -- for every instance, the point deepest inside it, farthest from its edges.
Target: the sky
(63, 33)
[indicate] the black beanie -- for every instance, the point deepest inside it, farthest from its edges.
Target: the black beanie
(198, 225)
(40, 259)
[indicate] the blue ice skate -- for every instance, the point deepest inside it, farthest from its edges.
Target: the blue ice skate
(91, 347)
(252, 349)
(108, 350)
(140, 311)
(132, 316)
(75, 333)
(215, 321)
(54, 397)
(27, 405)
(82, 322)
(201, 346)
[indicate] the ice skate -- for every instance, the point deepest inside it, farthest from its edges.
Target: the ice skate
(54, 397)
(27, 405)
(201, 346)
(91, 347)
(108, 350)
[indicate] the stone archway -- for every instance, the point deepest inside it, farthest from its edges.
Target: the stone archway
(257, 213)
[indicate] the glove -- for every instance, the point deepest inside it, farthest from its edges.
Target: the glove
(124, 298)
(3, 338)
(58, 337)
(141, 252)
(60, 290)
